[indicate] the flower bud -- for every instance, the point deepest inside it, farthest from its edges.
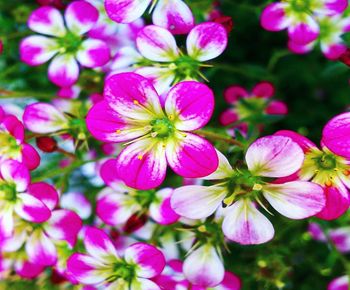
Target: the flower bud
(46, 144)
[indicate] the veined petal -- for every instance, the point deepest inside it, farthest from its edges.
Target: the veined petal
(173, 15)
(47, 20)
(161, 211)
(142, 165)
(244, 224)
(203, 267)
(63, 70)
(64, 225)
(336, 204)
(224, 169)
(105, 124)
(304, 32)
(335, 7)
(190, 104)
(149, 259)
(157, 44)
(274, 156)
(335, 135)
(191, 156)
(126, 11)
(85, 269)
(44, 118)
(161, 77)
(296, 199)
(132, 96)
(206, 41)
(40, 249)
(99, 245)
(305, 143)
(14, 172)
(115, 209)
(273, 18)
(30, 156)
(80, 17)
(93, 53)
(31, 209)
(37, 49)
(44, 192)
(196, 201)
(125, 57)
(230, 282)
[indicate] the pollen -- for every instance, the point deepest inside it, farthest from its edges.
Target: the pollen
(118, 131)
(257, 186)
(328, 183)
(136, 102)
(202, 228)
(139, 157)
(171, 117)
(346, 172)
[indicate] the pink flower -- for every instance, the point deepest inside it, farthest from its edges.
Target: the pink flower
(299, 17)
(131, 112)
(239, 189)
(12, 142)
(251, 106)
(66, 44)
(103, 265)
(173, 15)
(340, 283)
(329, 166)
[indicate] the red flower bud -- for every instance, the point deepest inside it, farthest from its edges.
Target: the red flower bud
(134, 223)
(56, 3)
(1, 47)
(225, 21)
(46, 144)
(345, 57)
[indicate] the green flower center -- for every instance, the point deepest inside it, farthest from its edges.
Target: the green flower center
(8, 191)
(70, 43)
(326, 161)
(8, 145)
(123, 271)
(185, 67)
(301, 5)
(162, 128)
(251, 107)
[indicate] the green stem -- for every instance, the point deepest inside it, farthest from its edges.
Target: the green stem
(275, 58)
(5, 94)
(219, 137)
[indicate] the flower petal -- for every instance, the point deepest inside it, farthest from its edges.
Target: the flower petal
(142, 165)
(333, 51)
(64, 225)
(44, 192)
(335, 135)
(40, 249)
(304, 32)
(196, 201)
(84, 269)
(36, 49)
(190, 104)
(149, 259)
(276, 108)
(228, 117)
(132, 96)
(6, 224)
(337, 203)
(80, 17)
(274, 156)
(173, 15)
(301, 140)
(263, 90)
(14, 172)
(126, 11)
(191, 156)
(99, 245)
(206, 41)
(224, 169)
(230, 282)
(157, 44)
(233, 93)
(273, 18)
(93, 53)
(30, 156)
(340, 283)
(43, 118)
(28, 270)
(47, 20)
(335, 7)
(63, 70)
(76, 202)
(203, 267)
(142, 284)
(31, 209)
(161, 211)
(244, 224)
(296, 199)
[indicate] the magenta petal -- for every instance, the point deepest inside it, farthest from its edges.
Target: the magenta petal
(14, 127)
(44, 192)
(336, 135)
(305, 143)
(64, 225)
(276, 108)
(337, 203)
(30, 156)
(142, 165)
(274, 17)
(174, 15)
(40, 249)
(31, 209)
(233, 93)
(28, 270)
(80, 16)
(192, 156)
(304, 33)
(108, 172)
(228, 117)
(335, 7)
(206, 41)
(126, 11)
(190, 104)
(340, 283)
(263, 90)
(77, 202)
(230, 282)
(93, 53)
(15, 172)
(162, 211)
(149, 259)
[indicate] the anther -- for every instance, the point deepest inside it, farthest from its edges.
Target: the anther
(139, 157)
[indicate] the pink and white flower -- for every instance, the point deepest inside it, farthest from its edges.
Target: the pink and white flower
(132, 113)
(340, 283)
(64, 41)
(173, 15)
(103, 266)
(239, 189)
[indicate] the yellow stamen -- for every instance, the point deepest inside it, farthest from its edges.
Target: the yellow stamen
(140, 157)
(328, 183)
(119, 131)
(202, 229)
(257, 186)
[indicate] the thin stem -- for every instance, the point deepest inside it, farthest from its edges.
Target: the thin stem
(219, 137)
(5, 94)
(68, 154)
